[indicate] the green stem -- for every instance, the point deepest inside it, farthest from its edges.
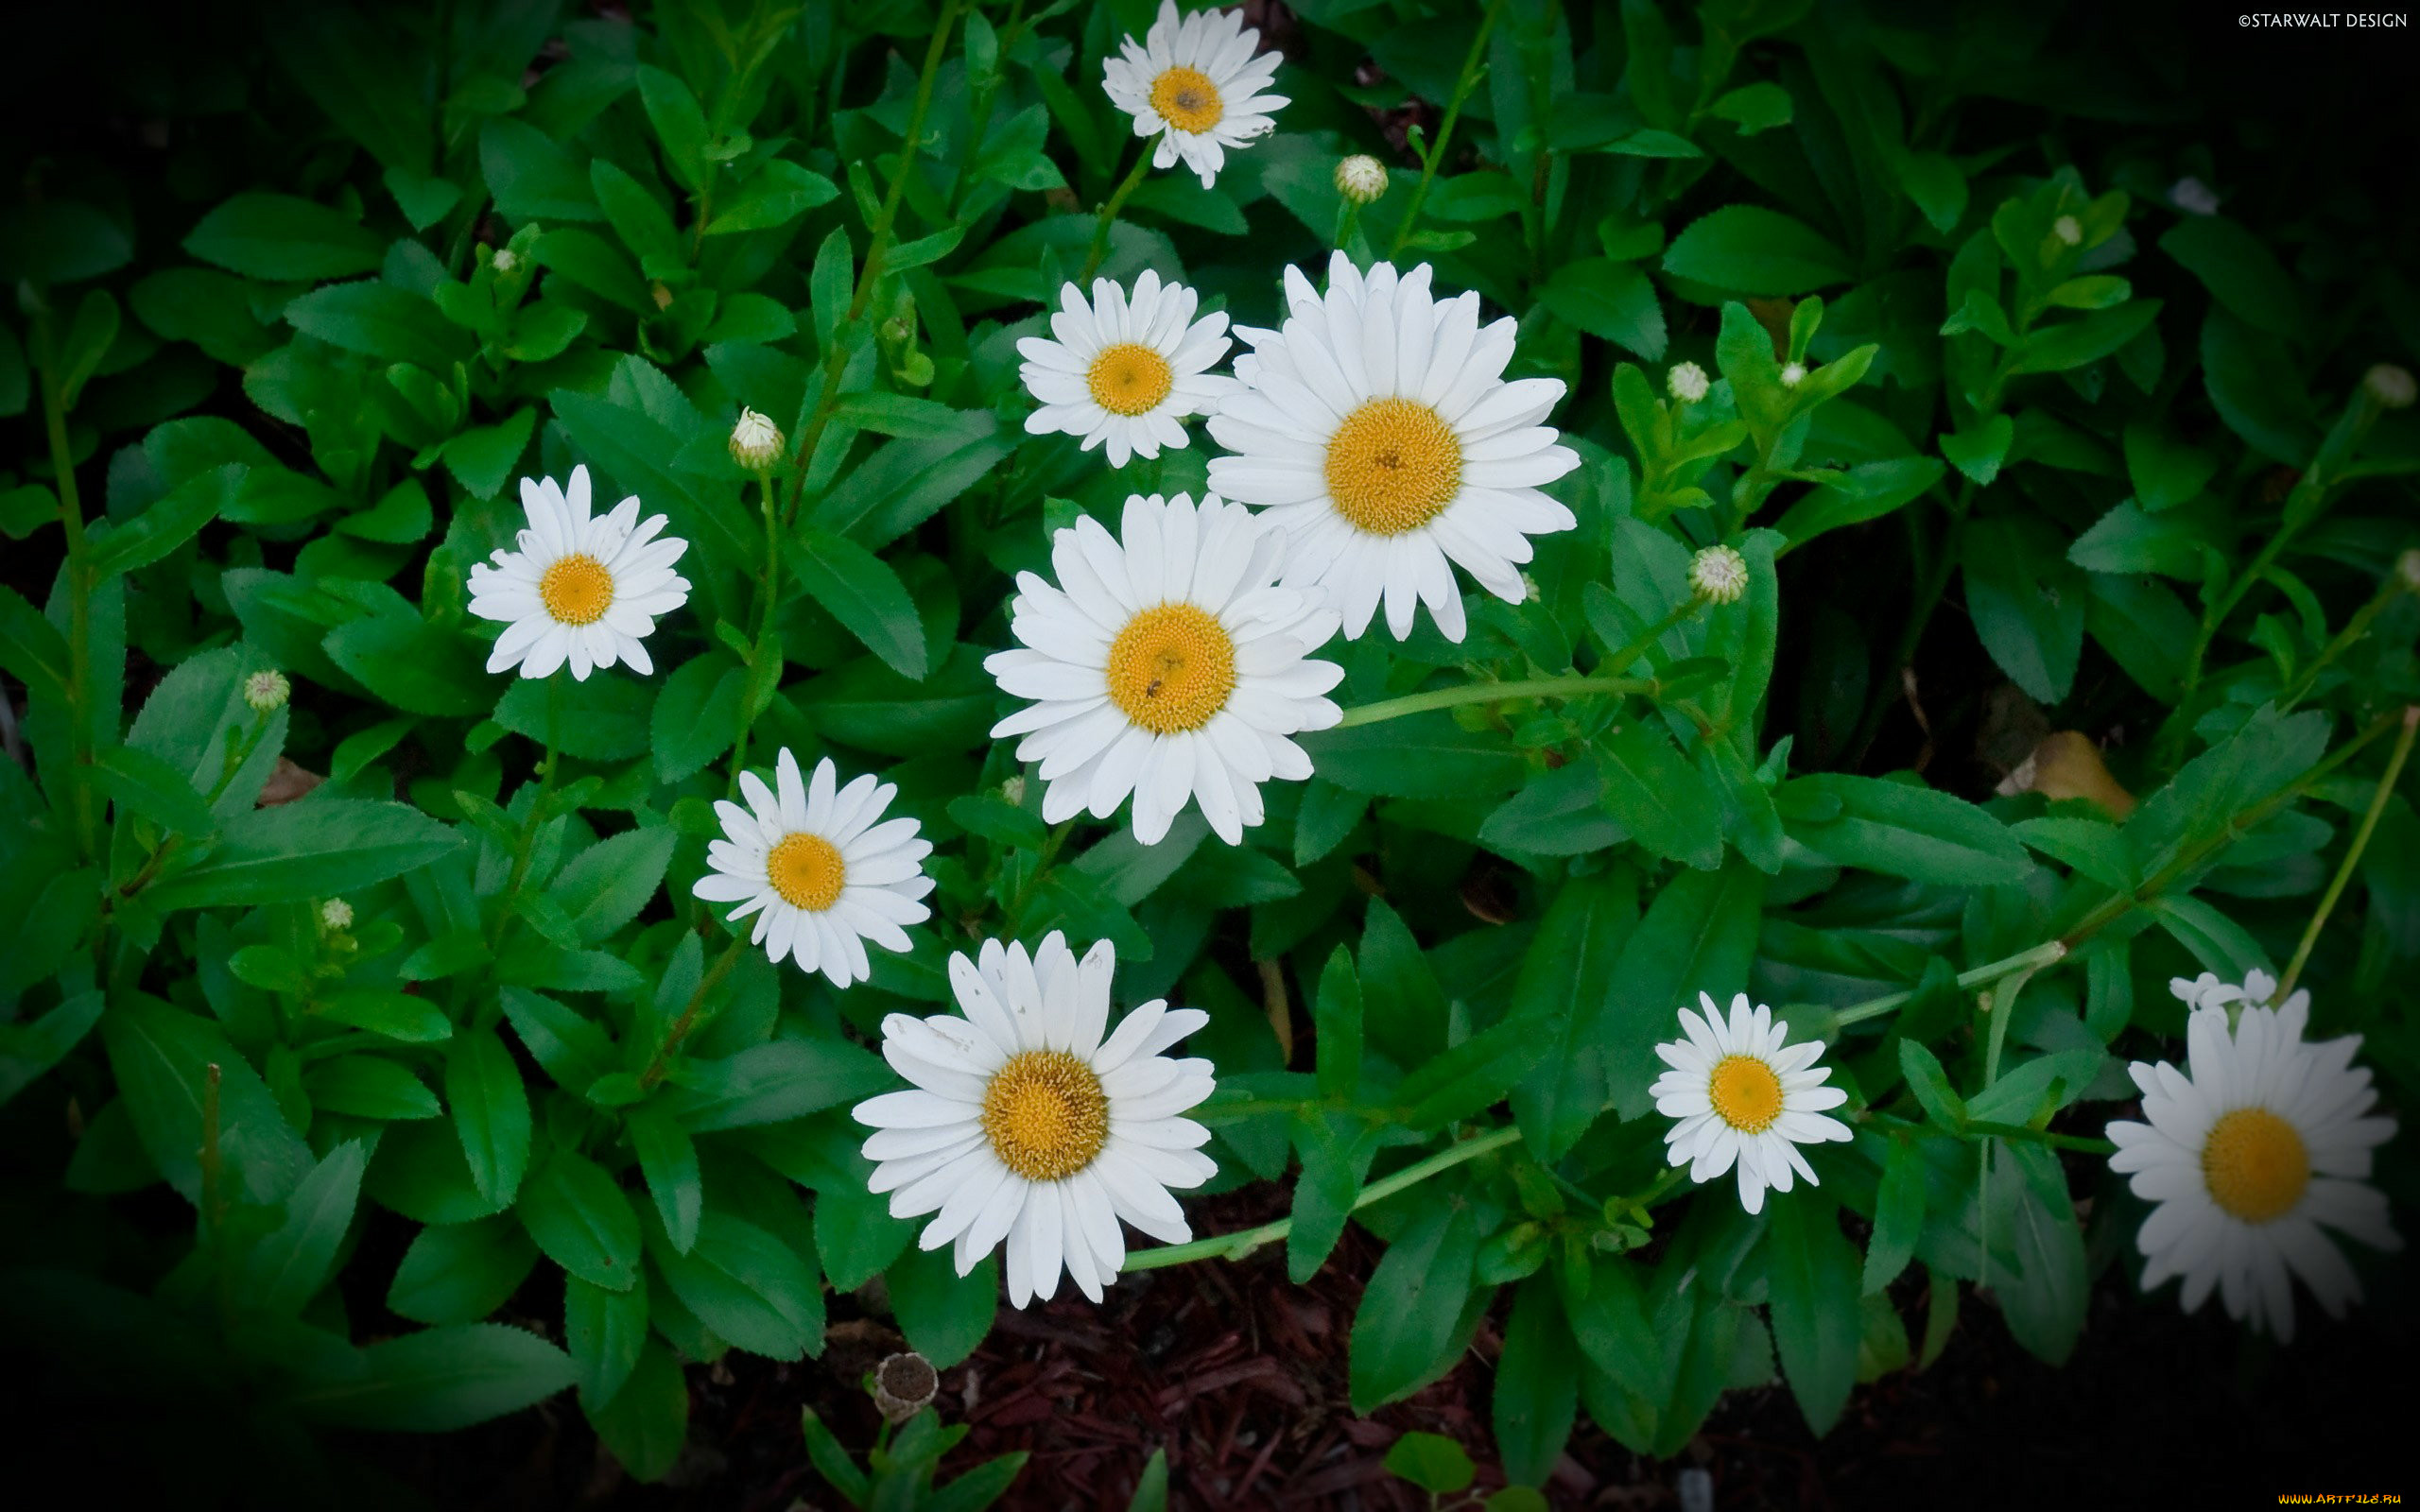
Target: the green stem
(2353, 854)
(2031, 960)
(1564, 687)
(688, 1018)
(2357, 626)
(879, 248)
(766, 607)
(79, 593)
(1638, 647)
(1237, 1246)
(1109, 209)
(1436, 153)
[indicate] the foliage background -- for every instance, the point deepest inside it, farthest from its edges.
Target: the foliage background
(296, 473)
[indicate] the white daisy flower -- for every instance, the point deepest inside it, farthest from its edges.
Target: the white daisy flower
(1744, 1095)
(1167, 664)
(1125, 370)
(581, 591)
(1377, 426)
(1025, 1124)
(1196, 84)
(2247, 1153)
(823, 870)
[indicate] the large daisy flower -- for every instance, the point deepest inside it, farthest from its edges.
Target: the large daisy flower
(1025, 1124)
(1167, 664)
(1125, 370)
(1376, 426)
(2248, 1153)
(1744, 1095)
(581, 591)
(1195, 83)
(823, 870)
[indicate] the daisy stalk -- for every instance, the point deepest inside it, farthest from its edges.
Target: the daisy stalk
(56, 403)
(1108, 209)
(1435, 153)
(2352, 853)
(1572, 686)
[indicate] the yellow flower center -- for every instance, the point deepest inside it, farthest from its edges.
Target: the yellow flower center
(1745, 1092)
(1393, 465)
(1187, 101)
(1045, 1115)
(2255, 1164)
(807, 870)
(1172, 668)
(577, 589)
(1130, 379)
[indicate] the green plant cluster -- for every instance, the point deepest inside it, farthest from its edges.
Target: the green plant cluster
(399, 986)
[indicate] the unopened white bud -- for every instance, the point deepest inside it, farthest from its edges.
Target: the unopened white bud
(504, 261)
(2408, 567)
(266, 692)
(2390, 385)
(2193, 196)
(1793, 375)
(2069, 229)
(755, 442)
(1012, 791)
(337, 914)
(1687, 381)
(1718, 574)
(1361, 179)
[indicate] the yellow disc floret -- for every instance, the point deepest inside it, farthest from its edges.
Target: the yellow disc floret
(1745, 1092)
(807, 870)
(1172, 668)
(2255, 1164)
(1045, 1115)
(577, 589)
(1129, 379)
(1393, 466)
(1187, 101)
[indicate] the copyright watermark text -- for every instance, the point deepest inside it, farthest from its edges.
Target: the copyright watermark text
(2325, 20)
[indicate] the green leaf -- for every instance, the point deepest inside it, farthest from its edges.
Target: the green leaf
(285, 240)
(28, 1050)
(2164, 470)
(1750, 250)
(647, 1421)
(2258, 388)
(169, 523)
(1537, 1384)
(417, 666)
(696, 716)
(768, 1083)
(297, 1257)
(482, 457)
(746, 1285)
(1752, 107)
(369, 1087)
(378, 320)
(2029, 602)
(1979, 452)
(1931, 1084)
(1652, 791)
(864, 593)
(1404, 1331)
(319, 848)
(669, 1162)
(1901, 828)
(1813, 1274)
(2026, 1198)
(775, 195)
(32, 648)
(1432, 1462)
(1611, 301)
(2074, 343)
(2240, 272)
(141, 783)
(1698, 935)
(461, 1272)
(602, 719)
(571, 1047)
(2091, 848)
(90, 336)
(944, 1314)
(605, 886)
(605, 1330)
(424, 199)
(532, 178)
(1152, 1492)
(1867, 491)
(491, 1111)
(579, 1215)
(1335, 1020)
(680, 125)
(1899, 1215)
(441, 1379)
(1564, 986)
(1933, 182)
(1422, 755)
(643, 224)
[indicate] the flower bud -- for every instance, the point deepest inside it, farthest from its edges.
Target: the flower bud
(266, 692)
(1687, 381)
(1012, 791)
(1360, 179)
(1718, 574)
(2408, 567)
(2193, 196)
(336, 914)
(2390, 385)
(757, 442)
(503, 261)
(1793, 375)
(2069, 229)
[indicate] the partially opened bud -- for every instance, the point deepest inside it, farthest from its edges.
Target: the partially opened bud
(2069, 229)
(336, 914)
(1361, 179)
(755, 442)
(266, 692)
(1687, 381)
(2391, 385)
(1793, 375)
(1718, 574)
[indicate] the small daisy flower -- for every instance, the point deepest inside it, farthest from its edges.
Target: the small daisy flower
(1361, 179)
(1718, 574)
(1745, 1096)
(2263, 1140)
(1378, 428)
(1168, 665)
(1196, 84)
(581, 591)
(336, 914)
(823, 870)
(1793, 374)
(1026, 1125)
(1125, 370)
(1687, 381)
(264, 693)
